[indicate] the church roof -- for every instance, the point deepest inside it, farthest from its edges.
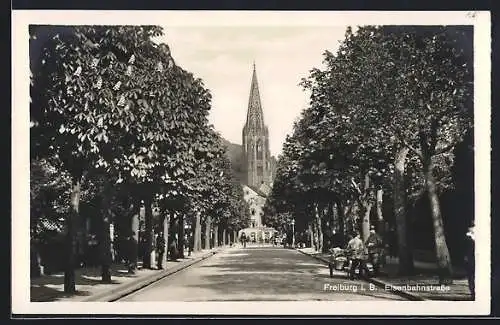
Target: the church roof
(254, 191)
(255, 116)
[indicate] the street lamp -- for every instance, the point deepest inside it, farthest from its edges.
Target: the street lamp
(293, 232)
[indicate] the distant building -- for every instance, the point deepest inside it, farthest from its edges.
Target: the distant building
(258, 164)
(257, 160)
(255, 202)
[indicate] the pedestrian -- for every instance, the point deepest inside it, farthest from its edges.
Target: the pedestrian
(160, 249)
(374, 244)
(356, 250)
(470, 264)
(244, 239)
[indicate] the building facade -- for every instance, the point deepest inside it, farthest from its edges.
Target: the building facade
(258, 166)
(257, 232)
(256, 203)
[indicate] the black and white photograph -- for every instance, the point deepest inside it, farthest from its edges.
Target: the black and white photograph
(251, 162)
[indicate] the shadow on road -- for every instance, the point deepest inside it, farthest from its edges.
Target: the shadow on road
(277, 271)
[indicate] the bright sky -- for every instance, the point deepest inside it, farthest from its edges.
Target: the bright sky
(223, 58)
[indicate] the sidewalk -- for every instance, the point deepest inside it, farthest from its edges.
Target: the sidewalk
(90, 288)
(425, 276)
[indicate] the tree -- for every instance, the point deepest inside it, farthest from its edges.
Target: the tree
(403, 92)
(435, 120)
(80, 110)
(389, 105)
(423, 105)
(100, 101)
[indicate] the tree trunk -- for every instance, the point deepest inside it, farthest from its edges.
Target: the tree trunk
(381, 223)
(208, 225)
(216, 235)
(319, 227)
(367, 207)
(346, 211)
(71, 240)
(195, 232)
(181, 236)
(321, 237)
(174, 231)
(134, 244)
(442, 253)
(405, 255)
(148, 233)
(325, 224)
(36, 265)
(197, 237)
(330, 225)
(366, 220)
(380, 216)
(311, 237)
(235, 236)
(166, 221)
(104, 234)
(336, 238)
(316, 232)
(225, 239)
(341, 223)
(354, 218)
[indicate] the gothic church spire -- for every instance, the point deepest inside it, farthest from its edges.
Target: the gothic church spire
(255, 117)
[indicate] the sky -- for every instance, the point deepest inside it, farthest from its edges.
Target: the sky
(223, 58)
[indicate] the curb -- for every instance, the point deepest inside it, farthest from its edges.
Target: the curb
(120, 292)
(377, 282)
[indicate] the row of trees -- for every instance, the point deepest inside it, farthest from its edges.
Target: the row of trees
(385, 115)
(115, 122)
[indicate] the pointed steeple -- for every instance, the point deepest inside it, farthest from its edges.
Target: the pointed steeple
(255, 140)
(255, 117)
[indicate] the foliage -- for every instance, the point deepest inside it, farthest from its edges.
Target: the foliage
(112, 107)
(385, 88)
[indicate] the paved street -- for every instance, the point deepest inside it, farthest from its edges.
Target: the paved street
(258, 273)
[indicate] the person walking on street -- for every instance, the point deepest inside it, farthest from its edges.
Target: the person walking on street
(244, 239)
(160, 248)
(356, 249)
(470, 264)
(374, 245)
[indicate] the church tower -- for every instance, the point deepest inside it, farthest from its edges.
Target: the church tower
(256, 154)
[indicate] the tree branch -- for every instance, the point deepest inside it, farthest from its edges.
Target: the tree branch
(407, 144)
(444, 149)
(356, 187)
(433, 136)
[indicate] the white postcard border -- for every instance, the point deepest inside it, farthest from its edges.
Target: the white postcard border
(20, 158)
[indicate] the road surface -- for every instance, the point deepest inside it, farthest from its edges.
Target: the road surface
(259, 274)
